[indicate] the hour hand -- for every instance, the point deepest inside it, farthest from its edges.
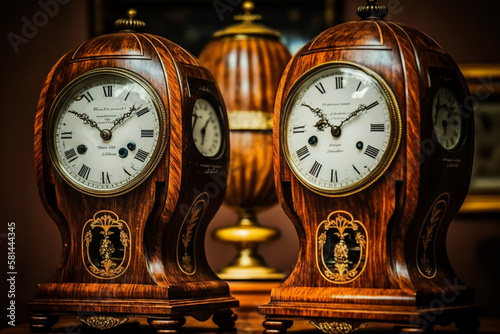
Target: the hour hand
(323, 122)
(86, 119)
(123, 117)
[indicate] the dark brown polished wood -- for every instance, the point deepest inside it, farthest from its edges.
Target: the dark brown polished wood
(395, 208)
(153, 286)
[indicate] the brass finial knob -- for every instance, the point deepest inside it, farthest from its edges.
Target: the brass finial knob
(130, 24)
(372, 11)
(248, 7)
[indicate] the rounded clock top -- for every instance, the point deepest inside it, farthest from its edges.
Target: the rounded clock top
(129, 41)
(372, 30)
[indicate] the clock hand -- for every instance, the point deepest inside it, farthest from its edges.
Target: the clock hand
(323, 122)
(336, 129)
(126, 115)
(86, 119)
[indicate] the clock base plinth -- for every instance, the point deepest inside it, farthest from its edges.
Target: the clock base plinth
(347, 317)
(165, 315)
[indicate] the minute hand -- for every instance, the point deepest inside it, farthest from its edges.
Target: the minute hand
(336, 128)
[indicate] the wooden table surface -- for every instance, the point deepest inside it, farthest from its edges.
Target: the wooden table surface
(248, 324)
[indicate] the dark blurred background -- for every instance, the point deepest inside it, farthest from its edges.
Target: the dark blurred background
(35, 34)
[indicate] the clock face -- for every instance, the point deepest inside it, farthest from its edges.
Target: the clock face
(340, 128)
(207, 130)
(446, 118)
(106, 132)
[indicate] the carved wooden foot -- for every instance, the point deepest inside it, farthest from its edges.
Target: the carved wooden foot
(42, 323)
(225, 319)
(171, 325)
(276, 326)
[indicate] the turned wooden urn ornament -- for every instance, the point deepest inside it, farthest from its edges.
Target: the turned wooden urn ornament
(247, 60)
(373, 150)
(131, 157)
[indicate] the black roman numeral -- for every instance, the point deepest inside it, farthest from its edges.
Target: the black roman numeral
(320, 87)
(147, 133)
(108, 91)
(339, 82)
(105, 178)
(142, 112)
(303, 153)
(377, 127)
(126, 171)
(87, 97)
(333, 176)
(357, 171)
(71, 155)
(126, 96)
(141, 155)
(372, 105)
(299, 129)
(316, 168)
(359, 85)
(371, 151)
(67, 135)
(84, 172)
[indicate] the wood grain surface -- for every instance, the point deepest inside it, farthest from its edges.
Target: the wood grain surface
(395, 207)
(153, 282)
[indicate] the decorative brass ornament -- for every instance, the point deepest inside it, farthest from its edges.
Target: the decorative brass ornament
(186, 256)
(250, 120)
(337, 327)
(106, 245)
(341, 247)
(103, 322)
(426, 254)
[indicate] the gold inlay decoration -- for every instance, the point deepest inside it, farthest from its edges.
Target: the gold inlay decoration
(103, 322)
(337, 327)
(186, 255)
(341, 247)
(426, 258)
(250, 120)
(106, 245)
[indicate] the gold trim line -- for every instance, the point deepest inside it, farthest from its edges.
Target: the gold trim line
(250, 120)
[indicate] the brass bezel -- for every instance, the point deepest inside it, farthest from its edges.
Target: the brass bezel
(394, 140)
(156, 155)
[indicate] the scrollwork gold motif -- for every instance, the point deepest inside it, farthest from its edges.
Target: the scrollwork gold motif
(343, 226)
(337, 327)
(103, 322)
(110, 265)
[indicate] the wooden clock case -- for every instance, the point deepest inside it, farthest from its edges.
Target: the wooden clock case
(407, 279)
(184, 191)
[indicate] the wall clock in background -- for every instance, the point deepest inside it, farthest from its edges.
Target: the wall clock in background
(372, 130)
(132, 181)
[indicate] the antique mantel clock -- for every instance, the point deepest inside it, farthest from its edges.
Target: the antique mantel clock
(131, 157)
(373, 152)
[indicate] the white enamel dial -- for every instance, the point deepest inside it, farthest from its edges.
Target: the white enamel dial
(341, 128)
(106, 132)
(207, 131)
(446, 118)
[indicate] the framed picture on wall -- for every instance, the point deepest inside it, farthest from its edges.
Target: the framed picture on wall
(484, 85)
